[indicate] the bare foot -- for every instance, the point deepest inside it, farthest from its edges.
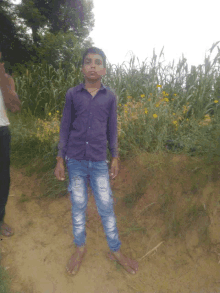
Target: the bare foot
(76, 260)
(128, 264)
(5, 229)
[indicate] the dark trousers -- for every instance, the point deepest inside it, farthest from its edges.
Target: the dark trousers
(5, 144)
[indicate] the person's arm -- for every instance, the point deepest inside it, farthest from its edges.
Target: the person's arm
(10, 96)
(113, 138)
(112, 135)
(65, 127)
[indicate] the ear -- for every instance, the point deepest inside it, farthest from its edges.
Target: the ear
(103, 71)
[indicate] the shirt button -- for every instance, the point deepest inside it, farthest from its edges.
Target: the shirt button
(89, 127)
(90, 113)
(87, 142)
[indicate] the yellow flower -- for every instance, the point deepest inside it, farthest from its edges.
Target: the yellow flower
(174, 114)
(125, 105)
(119, 105)
(216, 101)
(158, 85)
(57, 111)
(146, 111)
(166, 100)
(151, 94)
(49, 114)
(129, 97)
(155, 115)
(142, 96)
(149, 99)
(175, 122)
(126, 111)
(175, 95)
(207, 118)
(157, 105)
(164, 93)
(184, 109)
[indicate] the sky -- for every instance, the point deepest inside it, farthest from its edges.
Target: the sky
(187, 27)
(124, 27)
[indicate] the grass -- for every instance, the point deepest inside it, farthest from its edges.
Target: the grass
(24, 198)
(4, 281)
(178, 201)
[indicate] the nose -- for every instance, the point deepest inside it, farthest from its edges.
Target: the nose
(93, 64)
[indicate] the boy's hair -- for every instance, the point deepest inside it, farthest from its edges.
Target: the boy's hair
(94, 50)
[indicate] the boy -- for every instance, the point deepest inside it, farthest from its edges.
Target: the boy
(89, 120)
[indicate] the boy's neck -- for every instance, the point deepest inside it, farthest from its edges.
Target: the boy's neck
(90, 85)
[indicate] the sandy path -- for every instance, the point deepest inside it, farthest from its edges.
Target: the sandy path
(37, 254)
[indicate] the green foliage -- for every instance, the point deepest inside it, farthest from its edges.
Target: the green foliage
(14, 42)
(62, 50)
(42, 88)
(158, 107)
(57, 16)
(4, 280)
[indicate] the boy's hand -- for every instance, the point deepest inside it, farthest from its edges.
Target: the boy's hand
(60, 171)
(114, 168)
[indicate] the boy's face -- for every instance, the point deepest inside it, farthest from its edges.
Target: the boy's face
(93, 67)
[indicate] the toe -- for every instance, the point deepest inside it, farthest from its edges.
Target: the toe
(133, 265)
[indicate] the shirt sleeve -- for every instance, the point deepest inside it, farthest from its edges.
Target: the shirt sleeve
(65, 126)
(112, 132)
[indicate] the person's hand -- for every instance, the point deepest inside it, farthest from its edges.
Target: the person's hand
(114, 168)
(60, 171)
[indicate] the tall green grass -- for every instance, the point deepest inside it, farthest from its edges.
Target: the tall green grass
(160, 107)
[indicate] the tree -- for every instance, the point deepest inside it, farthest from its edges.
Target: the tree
(57, 15)
(15, 45)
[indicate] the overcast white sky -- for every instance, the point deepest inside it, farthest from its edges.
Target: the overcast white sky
(189, 27)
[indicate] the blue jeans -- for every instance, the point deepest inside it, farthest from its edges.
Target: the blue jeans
(97, 173)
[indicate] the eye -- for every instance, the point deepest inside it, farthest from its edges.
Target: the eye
(98, 62)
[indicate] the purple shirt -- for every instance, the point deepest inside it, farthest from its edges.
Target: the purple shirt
(87, 124)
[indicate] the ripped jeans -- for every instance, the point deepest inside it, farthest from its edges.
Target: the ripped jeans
(97, 172)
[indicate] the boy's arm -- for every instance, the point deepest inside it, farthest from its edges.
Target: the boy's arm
(112, 135)
(65, 126)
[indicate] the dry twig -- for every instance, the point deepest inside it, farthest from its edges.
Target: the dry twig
(155, 248)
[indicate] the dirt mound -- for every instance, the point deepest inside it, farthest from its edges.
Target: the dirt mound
(171, 258)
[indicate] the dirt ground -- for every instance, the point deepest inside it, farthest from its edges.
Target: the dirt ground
(36, 255)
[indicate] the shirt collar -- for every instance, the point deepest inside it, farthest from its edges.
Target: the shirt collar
(82, 87)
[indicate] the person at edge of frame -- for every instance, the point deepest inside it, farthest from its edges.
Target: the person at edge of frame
(89, 115)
